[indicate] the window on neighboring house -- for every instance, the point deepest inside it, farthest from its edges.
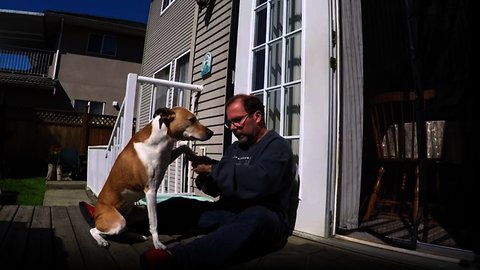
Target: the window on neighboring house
(160, 92)
(169, 96)
(166, 4)
(276, 70)
(102, 44)
(92, 107)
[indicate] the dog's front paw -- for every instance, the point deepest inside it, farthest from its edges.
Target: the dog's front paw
(186, 150)
(159, 245)
(156, 242)
(197, 160)
(100, 241)
(103, 243)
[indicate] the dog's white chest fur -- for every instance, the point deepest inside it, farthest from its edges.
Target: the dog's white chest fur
(154, 152)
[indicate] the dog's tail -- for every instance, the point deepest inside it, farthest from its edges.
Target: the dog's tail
(87, 211)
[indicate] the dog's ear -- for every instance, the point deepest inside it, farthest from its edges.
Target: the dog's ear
(166, 114)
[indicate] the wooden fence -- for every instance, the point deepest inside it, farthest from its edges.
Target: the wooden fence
(28, 134)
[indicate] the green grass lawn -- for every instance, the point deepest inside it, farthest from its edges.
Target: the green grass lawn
(31, 190)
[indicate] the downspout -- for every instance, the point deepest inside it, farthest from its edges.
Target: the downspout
(194, 96)
(232, 53)
(57, 53)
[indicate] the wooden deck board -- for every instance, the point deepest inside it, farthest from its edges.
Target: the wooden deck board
(125, 255)
(94, 257)
(39, 249)
(58, 237)
(7, 213)
(66, 250)
(15, 241)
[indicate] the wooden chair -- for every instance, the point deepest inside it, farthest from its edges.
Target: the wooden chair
(393, 125)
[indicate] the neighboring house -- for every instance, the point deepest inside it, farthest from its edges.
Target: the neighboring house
(315, 63)
(60, 61)
(84, 58)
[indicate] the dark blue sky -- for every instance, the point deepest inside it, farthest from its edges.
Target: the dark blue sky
(132, 10)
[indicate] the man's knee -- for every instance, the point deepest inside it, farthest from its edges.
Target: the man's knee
(259, 212)
(262, 217)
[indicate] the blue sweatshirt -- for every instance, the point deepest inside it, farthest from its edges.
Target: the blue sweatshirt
(259, 174)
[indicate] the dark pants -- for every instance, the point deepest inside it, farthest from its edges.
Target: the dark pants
(226, 236)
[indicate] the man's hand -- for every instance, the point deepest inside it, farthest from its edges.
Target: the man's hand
(201, 164)
(204, 183)
(203, 169)
(186, 150)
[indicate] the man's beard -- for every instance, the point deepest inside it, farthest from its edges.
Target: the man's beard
(242, 138)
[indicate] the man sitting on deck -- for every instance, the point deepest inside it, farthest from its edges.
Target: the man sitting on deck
(258, 198)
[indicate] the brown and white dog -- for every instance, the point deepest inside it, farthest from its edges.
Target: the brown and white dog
(139, 169)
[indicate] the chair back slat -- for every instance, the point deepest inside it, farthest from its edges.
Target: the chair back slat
(393, 124)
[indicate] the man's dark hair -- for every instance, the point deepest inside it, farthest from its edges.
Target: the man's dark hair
(251, 104)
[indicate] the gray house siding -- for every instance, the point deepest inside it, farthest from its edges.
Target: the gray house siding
(214, 34)
(185, 27)
(168, 36)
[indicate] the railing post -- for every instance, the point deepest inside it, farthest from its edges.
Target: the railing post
(85, 132)
(129, 108)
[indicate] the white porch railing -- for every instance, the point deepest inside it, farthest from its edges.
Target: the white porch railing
(101, 157)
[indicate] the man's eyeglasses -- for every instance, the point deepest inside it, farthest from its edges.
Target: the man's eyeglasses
(237, 122)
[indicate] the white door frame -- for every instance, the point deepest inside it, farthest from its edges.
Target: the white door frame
(319, 109)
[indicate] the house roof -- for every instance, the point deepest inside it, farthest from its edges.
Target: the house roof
(116, 25)
(40, 30)
(27, 80)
